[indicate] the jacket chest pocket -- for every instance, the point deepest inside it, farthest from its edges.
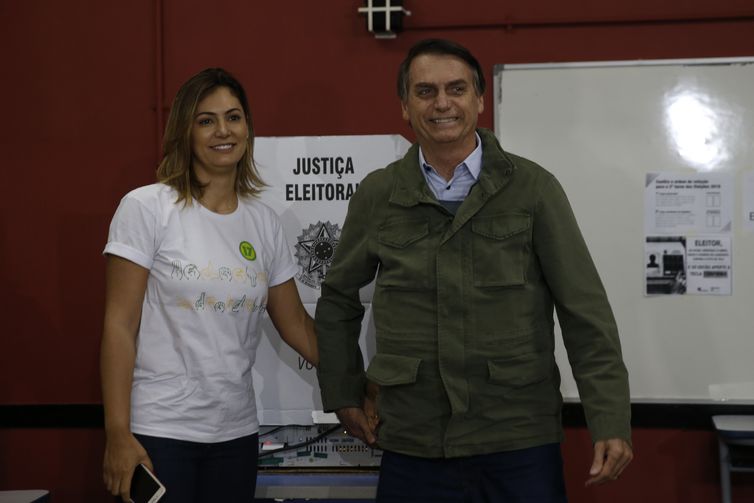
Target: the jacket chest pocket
(501, 248)
(404, 254)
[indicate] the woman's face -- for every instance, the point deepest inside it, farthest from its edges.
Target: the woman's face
(218, 134)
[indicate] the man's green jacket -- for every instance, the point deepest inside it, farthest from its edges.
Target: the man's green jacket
(463, 310)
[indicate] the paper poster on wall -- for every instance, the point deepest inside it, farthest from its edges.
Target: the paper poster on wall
(747, 201)
(688, 203)
(688, 222)
(686, 265)
(310, 181)
(709, 265)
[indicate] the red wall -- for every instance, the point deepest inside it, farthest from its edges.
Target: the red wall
(82, 82)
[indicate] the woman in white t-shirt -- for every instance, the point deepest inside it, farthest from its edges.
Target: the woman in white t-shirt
(193, 262)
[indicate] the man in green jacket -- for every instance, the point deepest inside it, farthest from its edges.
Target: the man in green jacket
(472, 248)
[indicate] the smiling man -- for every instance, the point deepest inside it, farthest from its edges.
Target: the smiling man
(473, 249)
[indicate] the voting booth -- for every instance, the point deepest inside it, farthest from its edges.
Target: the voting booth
(311, 180)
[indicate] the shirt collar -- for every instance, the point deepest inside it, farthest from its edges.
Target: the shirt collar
(473, 162)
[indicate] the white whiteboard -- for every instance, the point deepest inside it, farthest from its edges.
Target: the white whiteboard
(600, 127)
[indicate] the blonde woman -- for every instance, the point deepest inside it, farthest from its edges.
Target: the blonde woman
(193, 263)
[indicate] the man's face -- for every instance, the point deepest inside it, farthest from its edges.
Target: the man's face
(442, 105)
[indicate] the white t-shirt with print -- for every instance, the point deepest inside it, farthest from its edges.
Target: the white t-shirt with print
(206, 294)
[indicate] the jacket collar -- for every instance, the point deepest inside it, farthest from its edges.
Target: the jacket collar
(410, 187)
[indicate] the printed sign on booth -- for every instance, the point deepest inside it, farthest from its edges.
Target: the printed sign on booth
(310, 181)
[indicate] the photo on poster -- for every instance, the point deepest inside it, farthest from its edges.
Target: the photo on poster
(665, 265)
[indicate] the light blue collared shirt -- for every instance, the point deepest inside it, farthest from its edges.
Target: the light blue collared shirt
(464, 176)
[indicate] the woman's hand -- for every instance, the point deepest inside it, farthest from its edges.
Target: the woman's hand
(122, 453)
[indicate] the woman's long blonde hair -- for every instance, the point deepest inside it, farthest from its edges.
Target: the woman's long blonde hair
(175, 168)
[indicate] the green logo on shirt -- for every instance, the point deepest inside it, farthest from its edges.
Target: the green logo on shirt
(247, 250)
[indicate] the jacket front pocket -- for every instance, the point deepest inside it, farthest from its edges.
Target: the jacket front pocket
(392, 370)
(409, 403)
(528, 383)
(521, 371)
(501, 246)
(404, 254)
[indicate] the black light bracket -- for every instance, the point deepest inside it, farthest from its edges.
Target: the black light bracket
(384, 17)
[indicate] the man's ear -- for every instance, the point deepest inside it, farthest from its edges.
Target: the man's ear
(404, 112)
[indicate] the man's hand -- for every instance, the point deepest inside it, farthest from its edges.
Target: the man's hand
(362, 422)
(370, 406)
(610, 459)
(356, 423)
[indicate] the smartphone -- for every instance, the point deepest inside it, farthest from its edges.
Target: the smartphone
(145, 488)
